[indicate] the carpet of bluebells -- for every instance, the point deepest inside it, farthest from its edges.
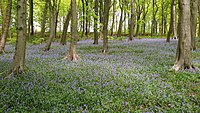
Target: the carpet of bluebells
(131, 77)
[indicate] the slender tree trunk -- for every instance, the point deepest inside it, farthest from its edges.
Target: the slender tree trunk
(113, 19)
(43, 23)
(74, 34)
(65, 27)
(132, 21)
(96, 36)
(183, 55)
(83, 21)
(194, 10)
(105, 25)
(163, 19)
(174, 20)
(31, 17)
(199, 19)
(119, 33)
(87, 18)
(52, 27)
(101, 18)
(173, 25)
(6, 29)
(20, 49)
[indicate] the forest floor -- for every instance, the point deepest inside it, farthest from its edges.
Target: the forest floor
(132, 77)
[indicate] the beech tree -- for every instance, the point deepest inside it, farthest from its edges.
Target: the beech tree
(20, 49)
(6, 29)
(183, 54)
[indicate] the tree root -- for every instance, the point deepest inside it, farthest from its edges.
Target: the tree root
(73, 57)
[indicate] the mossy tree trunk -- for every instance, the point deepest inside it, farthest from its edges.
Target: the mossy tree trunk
(183, 54)
(6, 25)
(20, 49)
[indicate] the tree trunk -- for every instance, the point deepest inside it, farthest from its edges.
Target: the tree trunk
(43, 23)
(173, 25)
(199, 19)
(83, 21)
(52, 26)
(6, 29)
(132, 20)
(183, 55)
(20, 49)
(3, 13)
(163, 19)
(119, 33)
(105, 25)
(194, 9)
(96, 36)
(65, 27)
(174, 20)
(113, 19)
(74, 34)
(101, 18)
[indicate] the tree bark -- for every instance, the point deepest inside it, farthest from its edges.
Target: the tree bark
(96, 36)
(113, 19)
(65, 27)
(83, 21)
(105, 25)
(173, 23)
(119, 33)
(132, 21)
(199, 19)
(163, 19)
(194, 9)
(6, 29)
(74, 34)
(3, 13)
(20, 49)
(52, 27)
(183, 55)
(43, 23)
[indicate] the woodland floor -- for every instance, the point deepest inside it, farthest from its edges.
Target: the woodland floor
(132, 77)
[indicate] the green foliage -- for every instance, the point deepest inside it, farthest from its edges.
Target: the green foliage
(36, 39)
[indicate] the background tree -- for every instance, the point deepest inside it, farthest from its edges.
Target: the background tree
(6, 25)
(54, 9)
(43, 22)
(20, 49)
(65, 28)
(105, 25)
(194, 9)
(72, 55)
(183, 54)
(173, 23)
(132, 20)
(30, 20)
(96, 35)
